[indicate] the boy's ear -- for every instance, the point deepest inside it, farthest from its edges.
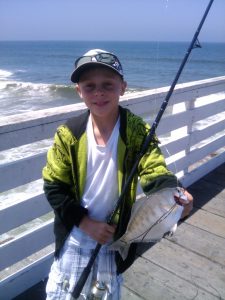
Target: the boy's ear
(77, 88)
(124, 86)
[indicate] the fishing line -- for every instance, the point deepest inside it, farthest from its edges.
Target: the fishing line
(158, 59)
(159, 220)
(169, 156)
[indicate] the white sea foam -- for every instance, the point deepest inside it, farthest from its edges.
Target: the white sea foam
(18, 96)
(4, 74)
(24, 87)
(19, 88)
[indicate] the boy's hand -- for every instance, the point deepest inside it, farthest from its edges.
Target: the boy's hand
(188, 205)
(182, 197)
(99, 231)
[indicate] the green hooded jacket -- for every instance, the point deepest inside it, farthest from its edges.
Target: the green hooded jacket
(65, 174)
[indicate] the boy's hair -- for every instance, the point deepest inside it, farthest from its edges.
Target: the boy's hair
(96, 57)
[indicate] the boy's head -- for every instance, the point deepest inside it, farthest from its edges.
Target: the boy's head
(95, 58)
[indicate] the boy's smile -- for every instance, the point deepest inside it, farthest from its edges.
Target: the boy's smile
(101, 88)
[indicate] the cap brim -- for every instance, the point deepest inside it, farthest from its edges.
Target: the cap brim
(77, 73)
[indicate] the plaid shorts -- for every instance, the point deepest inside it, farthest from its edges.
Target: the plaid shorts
(66, 270)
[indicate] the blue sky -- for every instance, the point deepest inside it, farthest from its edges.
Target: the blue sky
(134, 20)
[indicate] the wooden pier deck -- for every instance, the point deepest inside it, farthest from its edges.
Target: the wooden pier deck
(189, 265)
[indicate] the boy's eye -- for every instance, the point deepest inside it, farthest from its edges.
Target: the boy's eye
(108, 85)
(89, 87)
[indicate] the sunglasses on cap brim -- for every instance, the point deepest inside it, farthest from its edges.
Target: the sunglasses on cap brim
(105, 58)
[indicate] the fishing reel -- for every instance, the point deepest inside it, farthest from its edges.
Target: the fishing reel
(99, 291)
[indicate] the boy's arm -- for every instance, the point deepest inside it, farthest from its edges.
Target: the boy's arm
(63, 203)
(57, 175)
(154, 175)
(153, 172)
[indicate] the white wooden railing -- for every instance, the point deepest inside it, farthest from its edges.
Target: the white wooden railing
(193, 139)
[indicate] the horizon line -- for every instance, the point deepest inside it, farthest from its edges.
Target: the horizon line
(115, 41)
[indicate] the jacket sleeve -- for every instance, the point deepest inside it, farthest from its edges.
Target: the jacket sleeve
(153, 172)
(58, 181)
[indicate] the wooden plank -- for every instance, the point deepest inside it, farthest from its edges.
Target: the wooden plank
(201, 242)
(198, 155)
(151, 281)
(31, 127)
(209, 222)
(25, 244)
(199, 271)
(178, 165)
(217, 177)
(17, 283)
(28, 135)
(216, 205)
(201, 152)
(210, 195)
(20, 171)
(149, 105)
(191, 177)
(143, 106)
(24, 211)
(199, 135)
(172, 147)
(220, 170)
(205, 90)
(173, 122)
(208, 110)
(40, 117)
(185, 91)
(146, 102)
(188, 117)
(126, 294)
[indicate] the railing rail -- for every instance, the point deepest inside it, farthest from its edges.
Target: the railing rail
(193, 140)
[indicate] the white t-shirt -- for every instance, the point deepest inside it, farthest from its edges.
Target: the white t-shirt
(101, 188)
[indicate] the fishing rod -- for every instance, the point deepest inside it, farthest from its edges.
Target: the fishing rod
(194, 43)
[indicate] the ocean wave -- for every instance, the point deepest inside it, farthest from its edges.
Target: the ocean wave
(24, 89)
(67, 91)
(4, 74)
(34, 89)
(19, 71)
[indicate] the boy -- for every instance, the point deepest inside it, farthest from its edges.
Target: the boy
(86, 168)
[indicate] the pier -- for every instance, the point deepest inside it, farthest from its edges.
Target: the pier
(188, 265)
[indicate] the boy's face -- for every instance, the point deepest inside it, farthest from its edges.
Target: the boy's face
(101, 88)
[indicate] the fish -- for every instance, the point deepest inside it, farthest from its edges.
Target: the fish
(152, 217)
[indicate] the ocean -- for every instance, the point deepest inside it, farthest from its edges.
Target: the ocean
(36, 74)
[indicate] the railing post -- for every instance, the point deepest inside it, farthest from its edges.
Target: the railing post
(189, 106)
